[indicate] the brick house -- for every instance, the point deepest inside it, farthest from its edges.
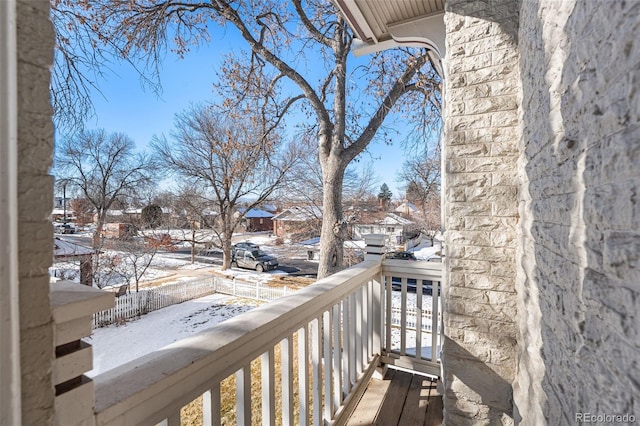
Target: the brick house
(258, 220)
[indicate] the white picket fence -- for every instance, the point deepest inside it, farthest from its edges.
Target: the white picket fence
(411, 318)
(256, 291)
(147, 300)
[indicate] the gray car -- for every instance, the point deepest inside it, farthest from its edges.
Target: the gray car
(254, 259)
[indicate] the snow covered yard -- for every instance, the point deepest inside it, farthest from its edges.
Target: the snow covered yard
(117, 344)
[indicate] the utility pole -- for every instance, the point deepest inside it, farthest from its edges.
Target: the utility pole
(64, 202)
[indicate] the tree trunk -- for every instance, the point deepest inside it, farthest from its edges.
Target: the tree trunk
(227, 234)
(97, 235)
(193, 244)
(334, 228)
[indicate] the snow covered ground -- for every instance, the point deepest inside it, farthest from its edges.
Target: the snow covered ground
(117, 344)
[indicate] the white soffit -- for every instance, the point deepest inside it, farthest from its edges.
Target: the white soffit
(382, 25)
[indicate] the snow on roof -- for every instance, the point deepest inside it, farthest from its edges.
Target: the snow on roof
(299, 214)
(65, 249)
(62, 211)
(257, 213)
(394, 219)
(310, 242)
(315, 242)
(407, 207)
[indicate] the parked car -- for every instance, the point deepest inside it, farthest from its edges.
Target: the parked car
(402, 255)
(253, 259)
(64, 229)
(412, 284)
(245, 245)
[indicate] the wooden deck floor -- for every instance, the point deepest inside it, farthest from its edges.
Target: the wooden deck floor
(401, 399)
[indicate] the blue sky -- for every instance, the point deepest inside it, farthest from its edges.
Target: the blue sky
(125, 106)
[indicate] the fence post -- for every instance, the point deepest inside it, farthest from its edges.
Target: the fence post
(258, 290)
(234, 286)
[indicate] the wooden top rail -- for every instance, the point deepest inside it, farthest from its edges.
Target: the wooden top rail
(420, 269)
(154, 386)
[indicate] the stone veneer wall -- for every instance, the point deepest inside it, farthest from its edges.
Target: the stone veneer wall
(481, 140)
(35, 198)
(579, 276)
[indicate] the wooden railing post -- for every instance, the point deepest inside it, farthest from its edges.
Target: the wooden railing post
(375, 251)
(73, 306)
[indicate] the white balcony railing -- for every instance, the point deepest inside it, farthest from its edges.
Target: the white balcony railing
(412, 315)
(337, 326)
(302, 359)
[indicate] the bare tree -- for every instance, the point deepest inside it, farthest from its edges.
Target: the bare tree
(299, 56)
(421, 174)
(135, 256)
(81, 59)
(104, 167)
(231, 161)
(305, 185)
(195, 212)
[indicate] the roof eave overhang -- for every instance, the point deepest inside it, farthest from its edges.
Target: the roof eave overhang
(427, 31)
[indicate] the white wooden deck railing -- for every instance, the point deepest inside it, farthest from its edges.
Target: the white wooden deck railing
(303, 359)
(332, 330)
(408, 341)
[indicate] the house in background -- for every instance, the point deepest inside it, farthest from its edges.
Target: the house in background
(396, 228)
(407, 209)
(297, 220)
(67, 251)
(258, 220)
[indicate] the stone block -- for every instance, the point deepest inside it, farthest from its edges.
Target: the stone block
(506, 178)
(35, 197)
(454, 223)
(469, 150)
(469, 266)
(35, 132)
(35, 253)
(469, 237)
(479, 121)
(36, 36)
(33, 82)
(473, 92)
(490, 104)
(480, 180)
(504, 269)
(456, 194)
(489, 282)
(34, 301)
(488, 165)
(504, 56)
(490, 74)
(504, 119)
(503, 194)
(492, 254)
(456, 166)
(467, 209)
